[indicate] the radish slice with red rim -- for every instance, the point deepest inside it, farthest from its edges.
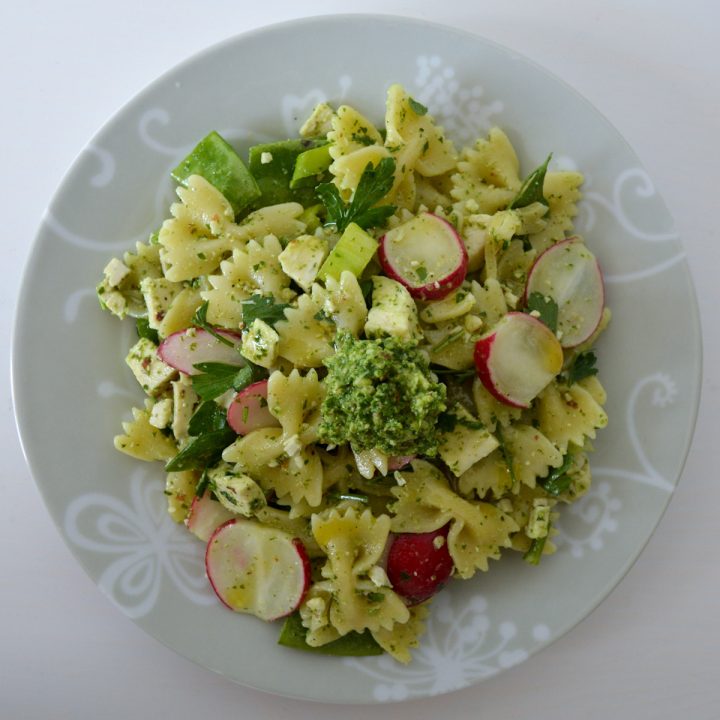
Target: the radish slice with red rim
(186, 348)
(569, 274)
(205, 516)
(518, 358)
(257, 569)
(249, 409)
(426, 255)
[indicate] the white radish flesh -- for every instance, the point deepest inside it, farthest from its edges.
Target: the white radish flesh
(257, 569)
(569, 274)
(249, 409)
(517, 359)
(186, 348)
(426, 255)
(206, 515)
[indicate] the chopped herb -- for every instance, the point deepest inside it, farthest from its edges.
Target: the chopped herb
(535, 552)
(374, 184)
(207, 418)
(421, 272)
(142, 325)
(417, 108)
(366, 287)
(203, 483)
(546, 306)
(375, 597)
(262, 307)
(457, 375)
(582, 367)
(558, 481)
(362, 138)
(217, 378)
(447, 422)
(532, 188)
(322, 316)
(200, 320)
(507, 457)
(202, 451)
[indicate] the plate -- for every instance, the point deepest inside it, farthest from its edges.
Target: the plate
(69, 401)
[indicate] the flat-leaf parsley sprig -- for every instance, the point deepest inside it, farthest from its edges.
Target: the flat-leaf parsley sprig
(375, 183)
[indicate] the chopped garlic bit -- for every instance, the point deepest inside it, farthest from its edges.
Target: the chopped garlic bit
(438, 542)
(266, 158)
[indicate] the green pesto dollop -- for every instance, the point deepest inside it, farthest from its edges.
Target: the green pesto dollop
(380, 394)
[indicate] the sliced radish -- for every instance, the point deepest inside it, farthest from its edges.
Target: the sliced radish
(206, 515)
(569, 273)
(249, 409)
(257, 569)
(419, 564)
(397, 462)
(185, 348)
(518, 358)
(426, 255)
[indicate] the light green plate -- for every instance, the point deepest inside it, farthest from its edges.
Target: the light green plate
(71, 387)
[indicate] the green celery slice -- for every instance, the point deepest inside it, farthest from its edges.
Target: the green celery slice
(216, 160)
(353, 252)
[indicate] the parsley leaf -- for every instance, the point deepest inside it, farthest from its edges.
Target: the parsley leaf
(375, 183)
(200, 320)
(417, 108)
(216, 378)
(547, 308)
(558, 481)
(202, 450)
(207, 418)
(582, 367)
(532, 188)
(142, 325)
(262, 307)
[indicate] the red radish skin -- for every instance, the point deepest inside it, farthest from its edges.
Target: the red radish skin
(205, 516)
(419, 564)
(249, 409)
(515, 372)
(293, 568)
(438, 231)
(397, 462)
(185, 348)
(584, 301)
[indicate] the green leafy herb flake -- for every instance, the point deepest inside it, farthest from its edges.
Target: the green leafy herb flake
(374, 184)
(262, 307)
(142, 325)
(200, 320)
(216, 378)
(202, 451)
(582, 367)
(546, 307)
(532, 188)
(417, 108)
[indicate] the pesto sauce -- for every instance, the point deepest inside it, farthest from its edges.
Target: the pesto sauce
(380, 395)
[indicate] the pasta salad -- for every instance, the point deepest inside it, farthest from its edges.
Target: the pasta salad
(368, 367)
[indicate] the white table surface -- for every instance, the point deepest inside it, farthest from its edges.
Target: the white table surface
(652, 649)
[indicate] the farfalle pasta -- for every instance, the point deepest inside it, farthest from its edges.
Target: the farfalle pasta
(368, 367)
